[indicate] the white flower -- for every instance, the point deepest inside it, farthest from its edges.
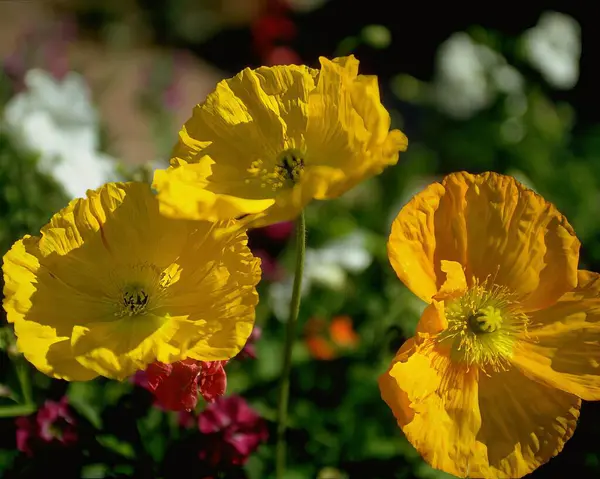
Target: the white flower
(57, 121)
(553, 46)
(470, 75)
(327, 266)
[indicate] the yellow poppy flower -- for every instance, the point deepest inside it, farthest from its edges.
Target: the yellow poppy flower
(268, 141)
(490, 385)
(111, 286)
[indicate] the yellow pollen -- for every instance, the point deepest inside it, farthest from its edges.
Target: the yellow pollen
(482, 326)
(288, 170)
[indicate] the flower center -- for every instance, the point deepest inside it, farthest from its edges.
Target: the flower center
(287, 171)
(482, 326)
(486, 320)
(135, 300)
(140, 288)
(58, 427)
(291, 165)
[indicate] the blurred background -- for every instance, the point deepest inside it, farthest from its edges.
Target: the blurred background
(96, 90)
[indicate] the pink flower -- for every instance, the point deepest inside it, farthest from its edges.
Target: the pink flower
(176, 386)
(249, 350)
(271, 269)
(187, 419)
(53, 424)
(233, 431)
(279, 231)
(267, 243)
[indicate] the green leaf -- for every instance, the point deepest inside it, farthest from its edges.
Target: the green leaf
(117, 445)
(17, 410)
(81, 398)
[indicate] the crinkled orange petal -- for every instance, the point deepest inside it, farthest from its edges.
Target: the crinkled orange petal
(523, 424)
(436, 404)
(497, 229)
(455, 284)
(412, 243)
(473, 425)
(433, 320)
(562, 347)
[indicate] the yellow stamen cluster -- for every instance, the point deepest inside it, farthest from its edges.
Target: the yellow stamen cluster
(287, 171)
(482, 326)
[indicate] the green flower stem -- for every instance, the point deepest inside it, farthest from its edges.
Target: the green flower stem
(22, 370)
(284, 391)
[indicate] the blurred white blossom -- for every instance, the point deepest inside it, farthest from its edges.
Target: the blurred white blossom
(327, 266)
(553, 46)
(470, 75)
(57, 120)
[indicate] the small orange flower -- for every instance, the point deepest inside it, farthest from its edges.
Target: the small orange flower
(342, 333)
(490, 385)
(326, 343)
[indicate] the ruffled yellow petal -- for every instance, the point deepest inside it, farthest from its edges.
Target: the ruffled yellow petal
(271, 140)
(51, 354)
(44, 306)
(112, 285)
(498, 230)
(117, 349)
(181, 195)
(473, 425)
(562, 347)
(359, 142)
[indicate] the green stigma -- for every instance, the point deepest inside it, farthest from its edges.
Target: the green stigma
(486, 320)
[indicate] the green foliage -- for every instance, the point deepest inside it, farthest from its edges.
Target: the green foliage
(28, 198)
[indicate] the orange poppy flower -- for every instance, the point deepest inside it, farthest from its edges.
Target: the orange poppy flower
(491, 384)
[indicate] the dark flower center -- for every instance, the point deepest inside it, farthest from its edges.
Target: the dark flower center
(135, 300)
(292, 165)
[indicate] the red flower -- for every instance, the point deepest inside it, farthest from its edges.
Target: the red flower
(212, 383)
(233, 431)
(176, 386)
(282, 56)
(52, 424)
(271, 29)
